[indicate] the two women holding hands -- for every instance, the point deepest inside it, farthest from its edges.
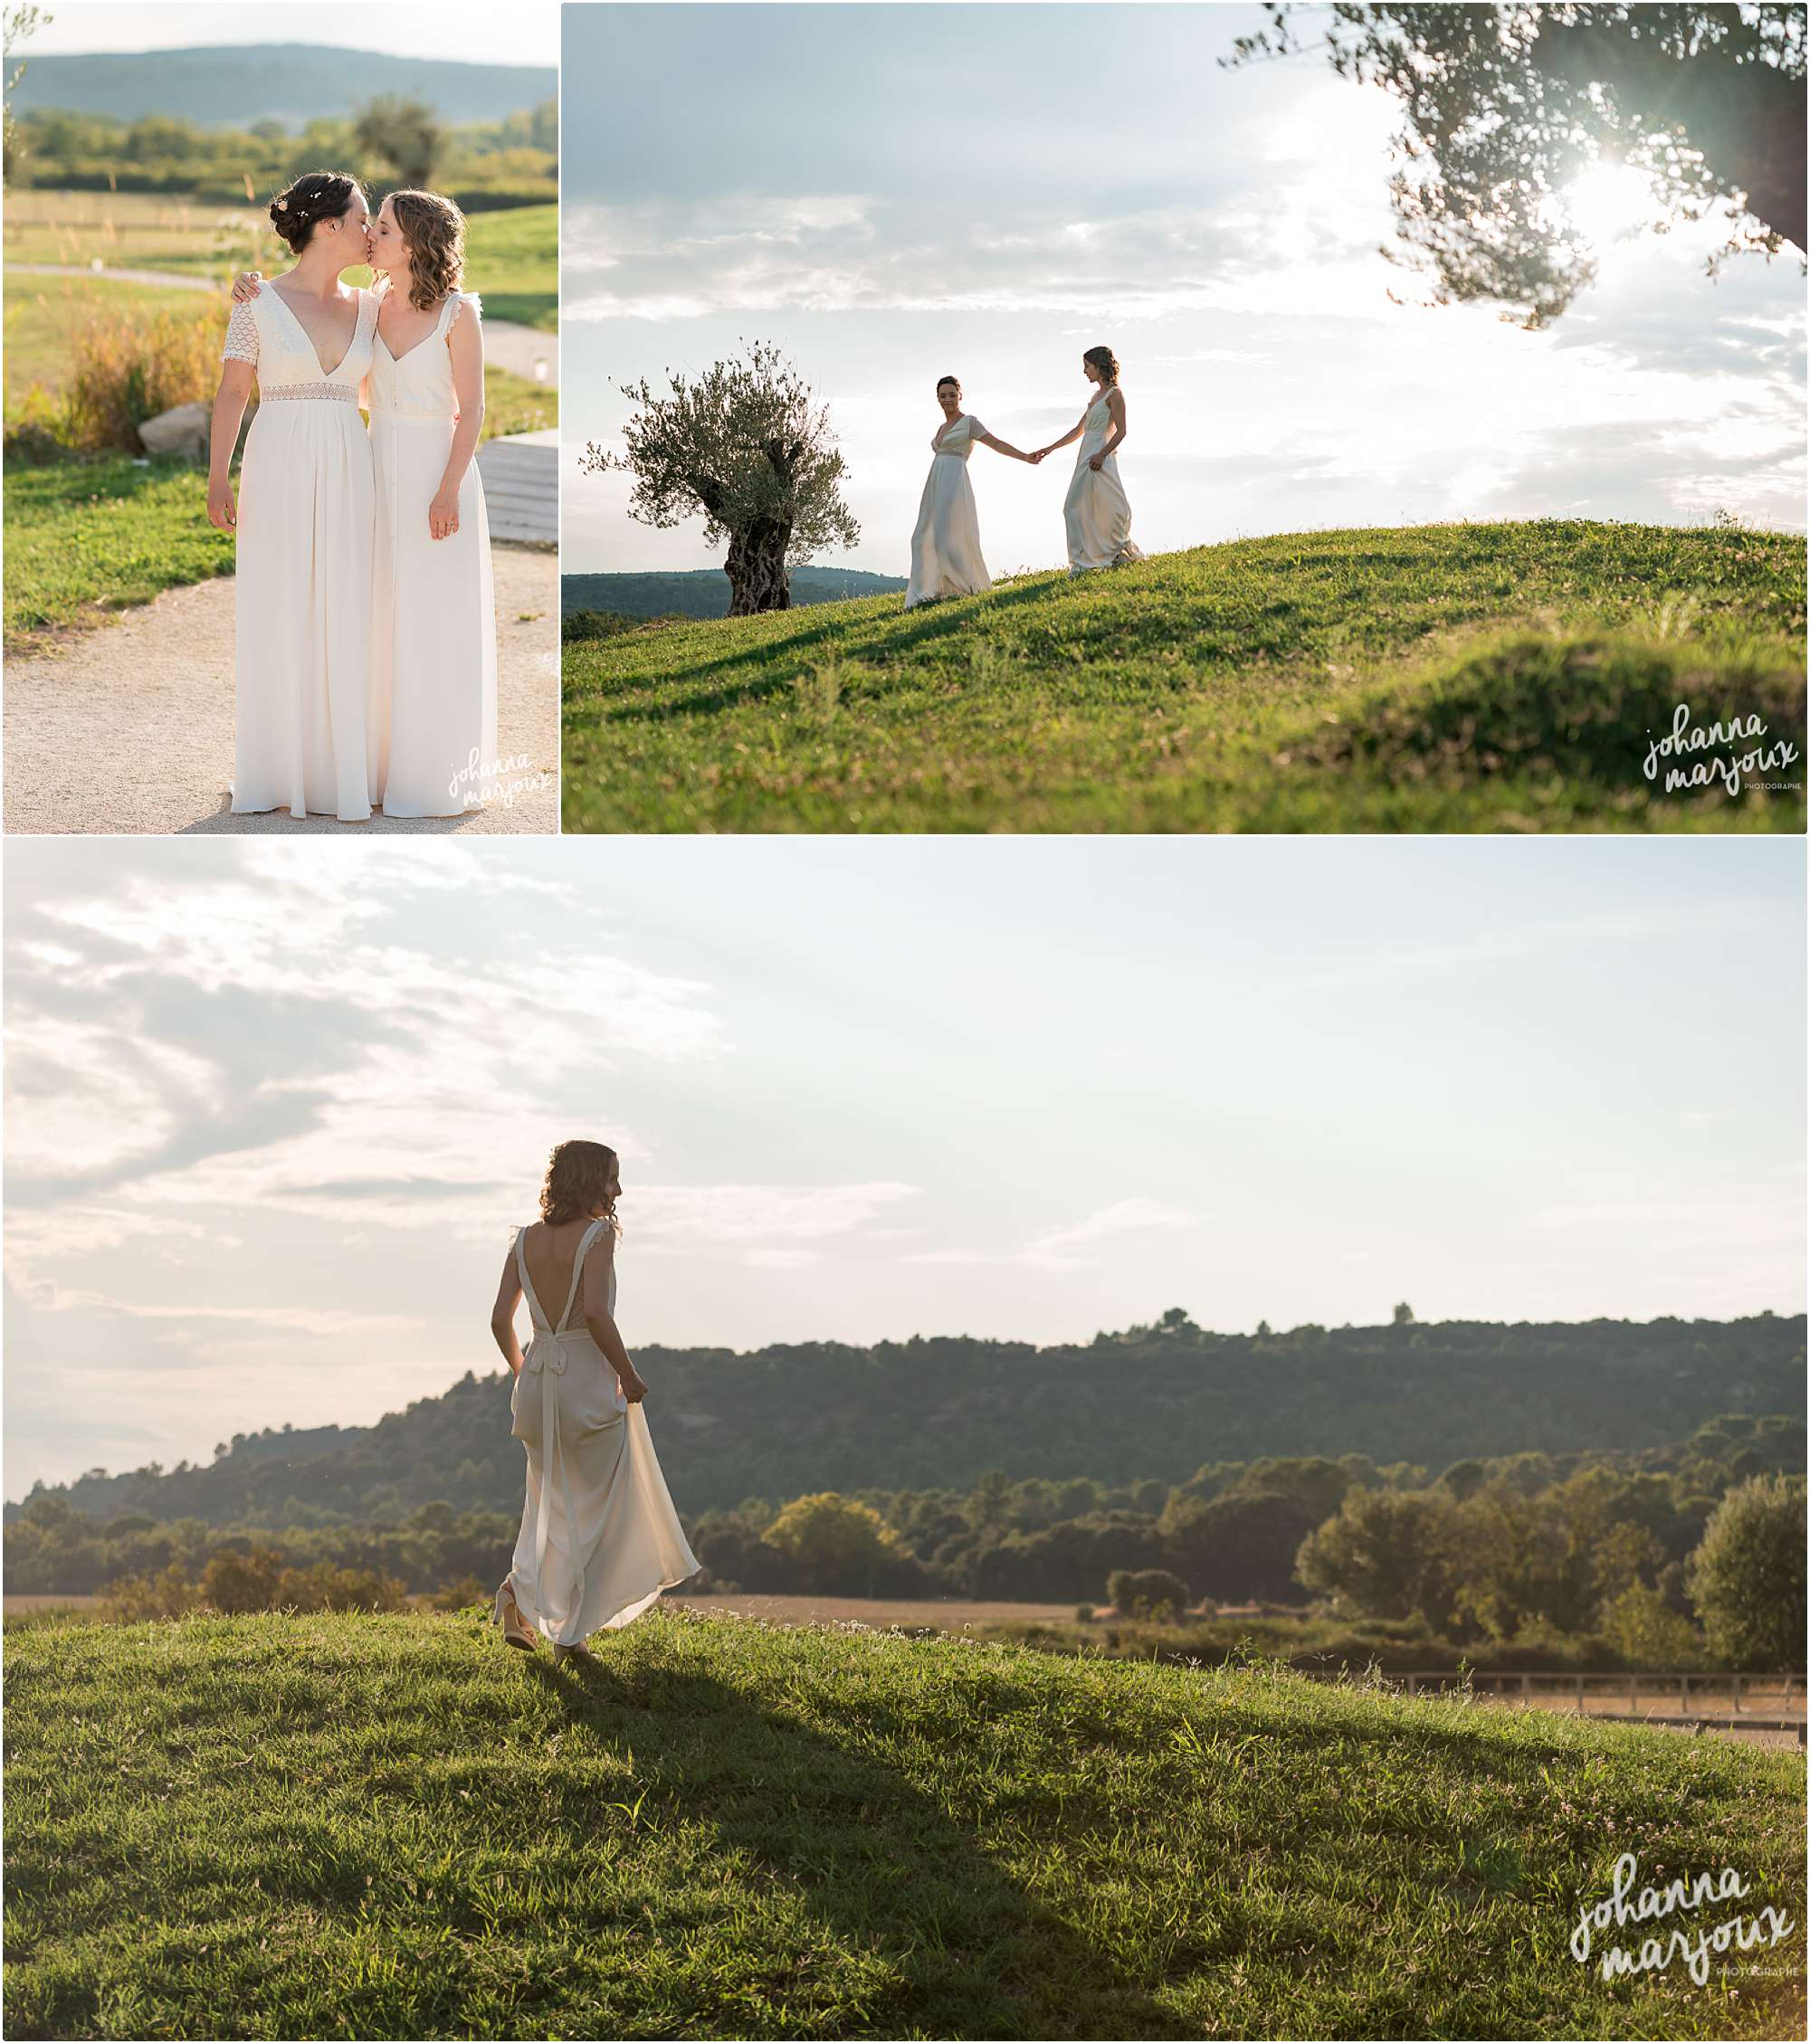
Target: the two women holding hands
(945, 556)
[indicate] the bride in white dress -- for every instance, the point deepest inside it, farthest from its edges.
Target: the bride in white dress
(434, 639)
(946, 546)
(303, 516)
(1096, 510)
(599, 1539)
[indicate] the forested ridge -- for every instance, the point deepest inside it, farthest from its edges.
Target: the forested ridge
(1151, 1402)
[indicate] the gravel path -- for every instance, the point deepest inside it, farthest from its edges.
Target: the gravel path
(129, 727)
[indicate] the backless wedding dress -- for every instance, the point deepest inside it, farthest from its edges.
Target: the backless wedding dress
(302, 737)
(433, 628)
(1096, 511)
(599, 1539)
(946, 546)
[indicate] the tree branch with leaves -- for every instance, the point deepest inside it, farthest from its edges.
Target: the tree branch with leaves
(1504, 105)
(747, 446)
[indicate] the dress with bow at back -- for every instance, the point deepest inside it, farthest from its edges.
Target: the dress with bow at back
(1096, 511)
(946, 546)
(434, 639)
(599, 1539)
(302, 589)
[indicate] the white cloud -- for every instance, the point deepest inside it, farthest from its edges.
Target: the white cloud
(1123, 1217)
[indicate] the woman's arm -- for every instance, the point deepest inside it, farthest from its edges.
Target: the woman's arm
(229, 411)
(1001, 446)
(1075, 432)
(1115, 406)
(503, 1314)
(465, 344)
(600, 1322)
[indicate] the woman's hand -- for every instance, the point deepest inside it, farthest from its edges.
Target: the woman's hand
(632, 1389)
(245, 286)
(443, 515)
(223, 513)
(1094, 463)
(1036, 456)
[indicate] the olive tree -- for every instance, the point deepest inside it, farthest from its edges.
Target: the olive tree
(747, 445)
(405, 133)
(1503, 106)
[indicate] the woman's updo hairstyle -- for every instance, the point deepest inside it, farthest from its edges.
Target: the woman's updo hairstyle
(435, 230)
(1105, 361)
(942, 380)
(578, 1180)
(316, 195)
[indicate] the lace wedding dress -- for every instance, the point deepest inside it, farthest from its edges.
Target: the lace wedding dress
(946, 546)
(599, 1539)
(302, 590)
(434, 641)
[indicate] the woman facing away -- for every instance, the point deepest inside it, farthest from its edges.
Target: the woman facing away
(304, 514)
(1096, 511)
(434, 626)
(599, 1539)
(946, 546)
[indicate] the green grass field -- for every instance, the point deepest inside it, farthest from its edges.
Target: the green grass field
(87, 539)
(1453, 678)
(512, 255)
(393, 1826)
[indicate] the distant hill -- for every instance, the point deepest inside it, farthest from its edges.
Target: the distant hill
(705, 592)
(292, 83)
(941, 1412)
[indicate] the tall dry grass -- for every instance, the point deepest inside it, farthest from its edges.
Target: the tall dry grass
(126, 368)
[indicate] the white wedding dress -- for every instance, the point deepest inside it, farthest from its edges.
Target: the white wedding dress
(434, 639)
(1096, 510)
(946, 546)
(599, 1537)
(302, 590)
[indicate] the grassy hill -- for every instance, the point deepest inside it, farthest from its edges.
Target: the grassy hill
(780, 1421)
(705, 592)
(394, 1827)
(293, 83)
(1452, 678)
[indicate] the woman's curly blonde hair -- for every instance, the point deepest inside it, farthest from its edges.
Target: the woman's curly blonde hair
(579, 1175)
(435, 230)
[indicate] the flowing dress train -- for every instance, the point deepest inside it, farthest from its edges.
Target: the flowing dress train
(599, 1539)
(946, 546)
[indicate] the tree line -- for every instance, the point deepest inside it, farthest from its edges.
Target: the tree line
(1663, 1555)
(1148, 1404)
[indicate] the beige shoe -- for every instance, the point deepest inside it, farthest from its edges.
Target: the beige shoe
(507, 1613)
(578, 1651)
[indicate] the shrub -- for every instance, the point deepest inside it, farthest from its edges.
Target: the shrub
(235, 1584)
(125, 369)
(166, 1594)
(1147, 1592)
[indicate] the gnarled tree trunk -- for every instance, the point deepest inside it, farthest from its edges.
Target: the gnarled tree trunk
(756, 567)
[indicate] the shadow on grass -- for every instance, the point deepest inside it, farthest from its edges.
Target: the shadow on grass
(883, 1865)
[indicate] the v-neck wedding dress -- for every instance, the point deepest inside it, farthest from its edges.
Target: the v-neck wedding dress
(599, 1539)
(302, 590)
(946, 546)
(1096, 511)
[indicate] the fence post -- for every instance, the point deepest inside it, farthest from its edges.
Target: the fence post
(1634, 1693)
(1684, 1692)
(1414, 1684)
(1579, 1679)
(1737, 1696)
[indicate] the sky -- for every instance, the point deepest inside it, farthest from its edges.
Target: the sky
(275, 1110)
(457, 34)
(898, 193)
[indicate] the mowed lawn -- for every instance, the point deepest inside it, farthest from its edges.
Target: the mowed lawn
(394, 1827)
(1458, 678)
